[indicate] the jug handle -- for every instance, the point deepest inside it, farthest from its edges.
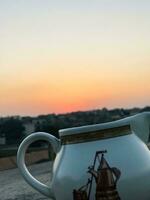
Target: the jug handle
(55, 143)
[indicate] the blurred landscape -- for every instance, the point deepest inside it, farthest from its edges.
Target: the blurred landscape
(14, 129)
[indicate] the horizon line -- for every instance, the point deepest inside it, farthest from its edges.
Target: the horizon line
(75, 111)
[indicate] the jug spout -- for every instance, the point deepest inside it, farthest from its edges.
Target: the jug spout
(140, 124)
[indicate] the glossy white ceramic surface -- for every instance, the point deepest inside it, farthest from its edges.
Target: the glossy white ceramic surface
(128, 153)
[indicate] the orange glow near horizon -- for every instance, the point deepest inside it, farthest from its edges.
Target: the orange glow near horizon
(77, 92)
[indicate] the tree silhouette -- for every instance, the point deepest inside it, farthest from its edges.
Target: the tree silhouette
(13, 130)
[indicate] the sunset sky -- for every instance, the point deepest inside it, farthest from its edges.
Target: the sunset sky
(69, 55)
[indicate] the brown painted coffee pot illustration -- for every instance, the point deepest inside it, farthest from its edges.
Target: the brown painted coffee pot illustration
(105, 178)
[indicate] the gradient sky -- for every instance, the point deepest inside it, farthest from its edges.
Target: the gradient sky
(61, 56)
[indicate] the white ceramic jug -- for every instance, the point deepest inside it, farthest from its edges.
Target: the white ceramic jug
(103, 161)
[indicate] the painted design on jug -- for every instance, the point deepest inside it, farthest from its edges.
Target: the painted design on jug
(106, 179)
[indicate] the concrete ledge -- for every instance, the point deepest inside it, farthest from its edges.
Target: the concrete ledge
(31, 158)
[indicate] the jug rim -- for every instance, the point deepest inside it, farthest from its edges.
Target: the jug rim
(101, 126)
(93, 128)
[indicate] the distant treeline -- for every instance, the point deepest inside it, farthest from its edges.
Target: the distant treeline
(14, 129)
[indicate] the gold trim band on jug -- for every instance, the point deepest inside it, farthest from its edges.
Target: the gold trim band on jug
(96, 135)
